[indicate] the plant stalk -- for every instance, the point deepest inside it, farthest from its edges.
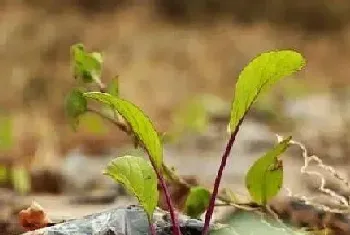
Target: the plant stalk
(225, 155)
(173, 216)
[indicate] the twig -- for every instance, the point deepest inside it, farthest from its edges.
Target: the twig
(173, 216)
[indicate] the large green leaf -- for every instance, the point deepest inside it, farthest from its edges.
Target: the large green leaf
(87, 66)
(138, 121)
(138, 177)
(259, 75)
(197, 201)
(265, 176)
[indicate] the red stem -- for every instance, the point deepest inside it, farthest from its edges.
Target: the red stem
(174, 220)
(225, 155)
(173, 217)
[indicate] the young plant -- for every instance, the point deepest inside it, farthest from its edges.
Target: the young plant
(139, 176)
(135, 173)
(257, 77)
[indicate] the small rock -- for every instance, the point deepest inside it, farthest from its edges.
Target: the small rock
(120, 221)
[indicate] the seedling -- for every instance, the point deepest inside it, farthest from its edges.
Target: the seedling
(140, 176)
(257, 77)
(135, 173)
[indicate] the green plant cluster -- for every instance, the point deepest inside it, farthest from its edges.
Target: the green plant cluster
(141, 176)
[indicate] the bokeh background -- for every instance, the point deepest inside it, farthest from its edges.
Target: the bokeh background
(178, 60)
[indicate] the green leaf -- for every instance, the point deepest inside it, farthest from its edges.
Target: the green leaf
(113, 87)
(258, 76)
(140, 124)
(138, 177)
(6, 137)
(265, 176)
(197, 201)
(86, 66)
(75, 105)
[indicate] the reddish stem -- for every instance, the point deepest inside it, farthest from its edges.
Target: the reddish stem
(173, 217)
(225, 155)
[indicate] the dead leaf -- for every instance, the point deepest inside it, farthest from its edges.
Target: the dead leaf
(34, 217)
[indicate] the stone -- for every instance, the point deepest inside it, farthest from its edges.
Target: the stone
(131, 220)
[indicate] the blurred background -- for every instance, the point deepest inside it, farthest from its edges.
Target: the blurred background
(178, 60)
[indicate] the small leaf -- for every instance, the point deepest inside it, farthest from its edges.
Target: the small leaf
(138, 177)
(75, 105)
(140, 124)
(265, 176)
(197, 201)
(113, 87)
(258, 76)
(86, 66)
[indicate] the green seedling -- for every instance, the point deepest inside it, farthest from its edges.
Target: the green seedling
(140, 176)
(257, 77)
(87, 68)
